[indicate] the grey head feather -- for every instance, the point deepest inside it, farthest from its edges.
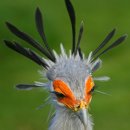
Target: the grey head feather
(72, 70)
(103, 78)
(96, 65)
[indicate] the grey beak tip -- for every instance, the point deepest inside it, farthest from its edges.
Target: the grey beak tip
(82, 115)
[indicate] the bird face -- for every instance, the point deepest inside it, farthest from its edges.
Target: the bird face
(66, 97)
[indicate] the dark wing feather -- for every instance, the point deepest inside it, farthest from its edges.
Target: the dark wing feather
(71, 13)
(28, 39)
(27, 53)
(40, 29)
(114, 44)
(105, 41)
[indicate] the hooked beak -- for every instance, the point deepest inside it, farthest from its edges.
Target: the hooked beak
(82, 114)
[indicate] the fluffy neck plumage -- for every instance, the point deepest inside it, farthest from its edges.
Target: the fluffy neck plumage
(65, 119)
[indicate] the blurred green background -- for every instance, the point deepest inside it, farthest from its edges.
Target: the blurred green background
(18, 108)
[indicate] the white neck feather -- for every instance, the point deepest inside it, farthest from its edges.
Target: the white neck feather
(65, 119)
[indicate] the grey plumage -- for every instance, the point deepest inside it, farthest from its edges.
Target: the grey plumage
(65, 119)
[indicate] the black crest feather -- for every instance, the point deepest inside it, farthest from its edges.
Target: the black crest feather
(79, 39)
(71, 13)
(105, 41)
(26, 86)
(28, 39)
(40, 29)
(46, 50)
(113, 45)
(26, 52)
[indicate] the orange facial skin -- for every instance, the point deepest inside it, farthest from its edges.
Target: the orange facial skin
(69, 98)
(88, 87)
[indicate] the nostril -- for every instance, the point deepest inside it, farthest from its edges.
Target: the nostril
(78, 106)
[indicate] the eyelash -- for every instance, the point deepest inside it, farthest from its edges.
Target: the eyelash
(92, 90)
(58, 95)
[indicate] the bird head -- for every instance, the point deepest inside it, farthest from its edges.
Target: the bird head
(72, 84)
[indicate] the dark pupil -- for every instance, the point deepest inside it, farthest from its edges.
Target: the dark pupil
(59, 95)
(92, 90)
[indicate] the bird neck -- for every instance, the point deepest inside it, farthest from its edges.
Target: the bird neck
(66, 119)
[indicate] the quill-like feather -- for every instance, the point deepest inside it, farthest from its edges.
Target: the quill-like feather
(26, 52)
(79, 38)
(28, 39)
(40, 29)
(71, 13)
(105, 41)
(114, 44)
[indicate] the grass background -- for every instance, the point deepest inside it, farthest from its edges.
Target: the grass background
(18, 108)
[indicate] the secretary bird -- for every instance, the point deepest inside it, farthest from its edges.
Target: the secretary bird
(70, 80)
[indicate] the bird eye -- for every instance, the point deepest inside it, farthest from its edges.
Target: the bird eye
(59, 95)
(92, 90)
(89, 85)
